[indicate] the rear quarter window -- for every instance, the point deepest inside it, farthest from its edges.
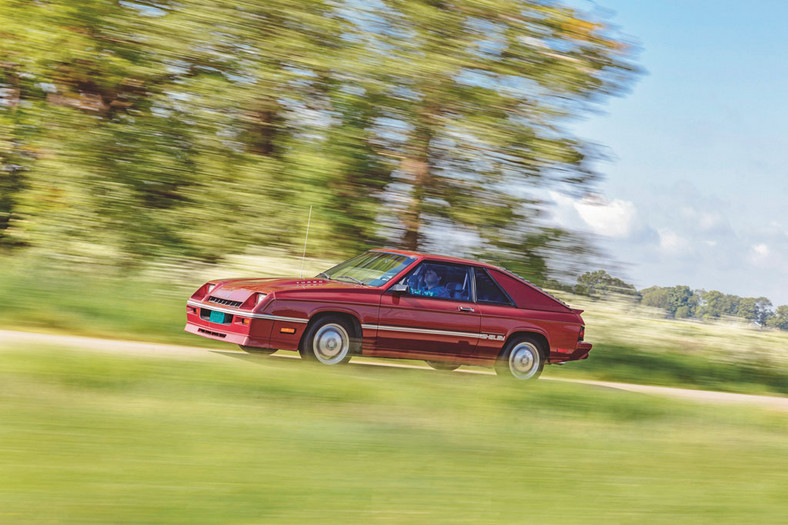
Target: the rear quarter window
(526, 296)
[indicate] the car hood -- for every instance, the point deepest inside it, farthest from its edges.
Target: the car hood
(240, 289)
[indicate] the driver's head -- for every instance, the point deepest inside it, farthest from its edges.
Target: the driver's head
(431, 278)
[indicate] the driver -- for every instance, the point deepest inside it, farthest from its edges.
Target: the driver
(432, 285)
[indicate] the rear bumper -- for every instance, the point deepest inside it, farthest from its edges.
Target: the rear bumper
(580, 352)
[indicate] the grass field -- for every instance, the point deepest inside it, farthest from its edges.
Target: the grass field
(636, 344)
(99, 438)
(631, 343)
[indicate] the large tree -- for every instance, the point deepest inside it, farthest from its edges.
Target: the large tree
(191, 128)
(477, 95)
(757, 310)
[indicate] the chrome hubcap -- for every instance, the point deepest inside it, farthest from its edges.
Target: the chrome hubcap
(331, 344)
(524, 361)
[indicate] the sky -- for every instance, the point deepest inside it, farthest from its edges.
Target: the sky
(696, 182)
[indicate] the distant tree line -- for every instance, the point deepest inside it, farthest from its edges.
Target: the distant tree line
(681, 302)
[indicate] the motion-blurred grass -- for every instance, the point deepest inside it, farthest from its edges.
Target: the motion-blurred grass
(145, 305)
(636, 344)
(90, 437)
(631, 343)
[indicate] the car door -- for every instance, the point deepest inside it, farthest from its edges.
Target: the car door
(499, 314)
(430, 318)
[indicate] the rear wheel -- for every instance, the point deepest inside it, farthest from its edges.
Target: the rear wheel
(257, 350)
(328, 340)
(522, 358)
(443, 365)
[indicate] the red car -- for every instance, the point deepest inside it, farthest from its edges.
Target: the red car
(390, 303)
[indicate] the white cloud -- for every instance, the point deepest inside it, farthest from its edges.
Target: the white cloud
(768, 257)
(681, 235)
(617, 218)
(672, 243)
(611, 219)
(761, 251)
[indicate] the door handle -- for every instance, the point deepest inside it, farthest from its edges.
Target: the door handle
(465, 309)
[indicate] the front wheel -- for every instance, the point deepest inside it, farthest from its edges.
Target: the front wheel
(442, 365)
(522, 358)
(328, 341)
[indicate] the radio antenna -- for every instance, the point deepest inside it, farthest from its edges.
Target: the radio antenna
(308, 222)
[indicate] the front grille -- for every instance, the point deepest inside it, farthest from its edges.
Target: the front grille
(225, 302)
(208, 332)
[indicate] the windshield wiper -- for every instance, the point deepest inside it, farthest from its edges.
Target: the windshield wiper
(322, 275)
(353, 279)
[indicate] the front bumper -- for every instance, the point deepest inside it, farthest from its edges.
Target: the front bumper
(240, 327)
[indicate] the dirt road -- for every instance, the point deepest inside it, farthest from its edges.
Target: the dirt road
(189, 352)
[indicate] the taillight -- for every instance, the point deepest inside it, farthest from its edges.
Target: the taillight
(582, 333)
(203, 291)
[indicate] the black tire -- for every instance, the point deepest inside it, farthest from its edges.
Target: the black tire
(257, 350)
(330, 341)
(443, 365)
(522, 359)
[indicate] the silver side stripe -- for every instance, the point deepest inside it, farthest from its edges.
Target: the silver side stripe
(241, 313)
(492, 337)
(404, 329)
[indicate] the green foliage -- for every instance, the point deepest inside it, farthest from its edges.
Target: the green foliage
(600, 284)
(133, 131)
(714, 304)
(677, 301)
(682, 303)
(655, 297)
(758, 311)
(779, 319)
(682, 312)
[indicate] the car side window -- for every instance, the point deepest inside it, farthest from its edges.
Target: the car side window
(488, 291)
(440, 280)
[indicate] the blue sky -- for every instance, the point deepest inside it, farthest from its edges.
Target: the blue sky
(697, 185)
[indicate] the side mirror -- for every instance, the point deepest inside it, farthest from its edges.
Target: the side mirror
(399, 288)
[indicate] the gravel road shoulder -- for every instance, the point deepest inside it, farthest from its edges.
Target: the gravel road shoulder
(16, 338)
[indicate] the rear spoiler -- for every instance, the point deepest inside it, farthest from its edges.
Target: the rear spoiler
(577, 311)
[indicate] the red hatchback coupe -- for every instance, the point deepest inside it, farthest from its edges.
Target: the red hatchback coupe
(390, 303)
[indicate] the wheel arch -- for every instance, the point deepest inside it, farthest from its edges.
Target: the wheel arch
(354, 322)
(541, 338)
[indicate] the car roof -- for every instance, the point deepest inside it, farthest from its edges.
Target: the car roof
(431, 257)
(457, 260)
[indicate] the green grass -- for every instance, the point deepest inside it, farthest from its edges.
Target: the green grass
(97, 438)
(631, 344)
(635, 344)
(670, 368)
(102, 302)
(93, 303)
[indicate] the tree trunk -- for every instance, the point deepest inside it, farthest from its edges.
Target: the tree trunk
(418, 171)
(266, 123)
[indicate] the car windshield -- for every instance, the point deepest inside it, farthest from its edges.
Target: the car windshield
(370, 269)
